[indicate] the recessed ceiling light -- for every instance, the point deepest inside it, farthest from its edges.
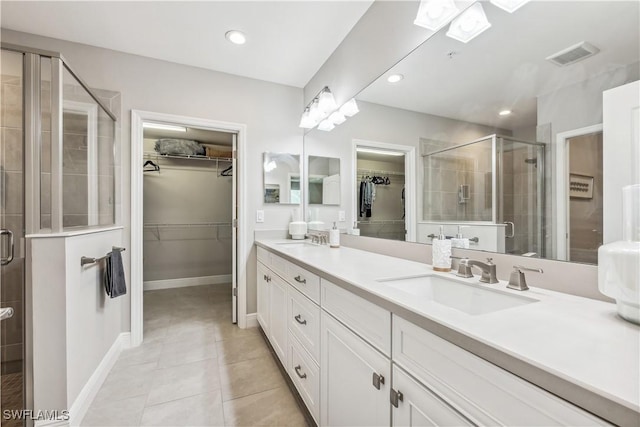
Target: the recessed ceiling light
(395, 78)
(162, 126)
(236, 37)
(504, 112)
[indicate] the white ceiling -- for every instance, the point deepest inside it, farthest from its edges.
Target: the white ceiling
(287, 41)
(505, 67)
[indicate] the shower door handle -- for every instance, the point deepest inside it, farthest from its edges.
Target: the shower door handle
(6, 260)
(6, 313)
(513, 230)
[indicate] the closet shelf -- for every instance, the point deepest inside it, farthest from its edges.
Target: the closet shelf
(382, 221)
(156, 229)
(187, 225)
(155, 155)
(378, 172)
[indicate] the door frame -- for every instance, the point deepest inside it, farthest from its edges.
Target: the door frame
(137, 156)
(562, 187)
(410, 212)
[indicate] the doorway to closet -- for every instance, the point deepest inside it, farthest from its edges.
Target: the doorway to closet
(186, 242)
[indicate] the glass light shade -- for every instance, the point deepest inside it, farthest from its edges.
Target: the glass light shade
(350, 108)
(435, 14)
(337, 118)
(619, 262)
(314, 111)
(469, 25)
(326, 125)
(509, 5)
(326, 102)
(306, 121)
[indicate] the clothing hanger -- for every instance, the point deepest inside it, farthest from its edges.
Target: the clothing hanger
(155, 167)
(227, 172)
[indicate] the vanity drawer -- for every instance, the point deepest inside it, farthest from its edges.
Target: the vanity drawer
(368, 320)
(303, 280)
(305, 375)
(273, 261)
(304, 322)
(483, 392)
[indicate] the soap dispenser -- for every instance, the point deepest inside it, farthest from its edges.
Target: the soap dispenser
(460, 241)
(334, 237)
(441, 252)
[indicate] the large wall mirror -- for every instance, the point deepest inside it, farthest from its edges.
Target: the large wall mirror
(507, 130)
(323, 180)
(281, 178)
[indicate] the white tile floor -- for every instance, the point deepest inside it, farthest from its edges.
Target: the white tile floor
(195, 368)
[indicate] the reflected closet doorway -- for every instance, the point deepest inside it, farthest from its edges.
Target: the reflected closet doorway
(186, 210)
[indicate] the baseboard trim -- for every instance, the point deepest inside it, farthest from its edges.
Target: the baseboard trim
(153, 285)
(79, 408)
(252, 320)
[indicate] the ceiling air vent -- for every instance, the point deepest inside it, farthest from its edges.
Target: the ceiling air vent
(573, 54)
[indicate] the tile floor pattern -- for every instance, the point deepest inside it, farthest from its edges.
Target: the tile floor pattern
(194, 368)
(11, 396)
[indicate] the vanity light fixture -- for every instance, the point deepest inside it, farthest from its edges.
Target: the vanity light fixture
(383, 152)
(162, 126)
(314, 111)
(269, 166)
(337, 118)
(509, 5)
(435, 14)
(326, 102)
(350, 108)
(469, 25)
(236, 37)
(395, 78)
(326, 125)
(504, 112)
(306, 121)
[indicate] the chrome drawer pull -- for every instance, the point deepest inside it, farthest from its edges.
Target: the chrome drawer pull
(299, 319)
(377, 380)
(396, 396)
(299, 279)
(298, 368)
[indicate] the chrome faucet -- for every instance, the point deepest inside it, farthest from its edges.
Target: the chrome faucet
(488, 269)
(319, 237)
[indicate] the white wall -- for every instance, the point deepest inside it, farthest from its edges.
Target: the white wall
(270, 111)
(391, 125)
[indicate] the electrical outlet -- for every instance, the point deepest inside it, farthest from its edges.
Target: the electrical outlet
(259, 216)
(341, 216)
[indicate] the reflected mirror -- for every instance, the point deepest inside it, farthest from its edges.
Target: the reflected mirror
(323, 178)
(281, 178)
(507, 128)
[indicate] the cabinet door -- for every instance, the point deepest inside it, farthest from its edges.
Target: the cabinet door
(263, 279)
(278, 317)
(354, 379)
(418, 406)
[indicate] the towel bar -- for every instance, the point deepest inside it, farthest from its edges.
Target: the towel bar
(89, 260)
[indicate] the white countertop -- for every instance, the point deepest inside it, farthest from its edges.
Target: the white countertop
(579, 340)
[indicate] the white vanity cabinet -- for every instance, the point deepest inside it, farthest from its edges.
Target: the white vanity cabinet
(278, 317)
(263, 279)
(354, 379)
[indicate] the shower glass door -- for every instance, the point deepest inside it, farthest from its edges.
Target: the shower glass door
(11, 237)
(521, 169)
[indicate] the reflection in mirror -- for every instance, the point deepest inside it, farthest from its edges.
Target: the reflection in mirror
(281, 178)
(323, 176)
(509, 135)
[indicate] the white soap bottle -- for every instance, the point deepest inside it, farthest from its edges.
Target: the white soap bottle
(441, 252)
(334, 237)
(355, 230)
(460, 241)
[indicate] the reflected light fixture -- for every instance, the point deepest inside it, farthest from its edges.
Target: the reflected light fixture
(269, 166)
(306, 121)
(383, 152)
(509, 5)
(470, 24)
(314, 111)
(161, 126)
(326, 102)
(435, 14)
(326, 125)
(236, 37)
(350, 108)
(504, 112)
(395, 78)
(337, 118)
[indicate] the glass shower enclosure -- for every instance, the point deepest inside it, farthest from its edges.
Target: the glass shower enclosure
(494, 180)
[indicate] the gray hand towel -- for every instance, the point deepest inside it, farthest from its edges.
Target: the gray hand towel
(114, 281)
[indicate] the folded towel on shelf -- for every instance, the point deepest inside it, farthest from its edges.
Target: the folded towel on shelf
(114, 281)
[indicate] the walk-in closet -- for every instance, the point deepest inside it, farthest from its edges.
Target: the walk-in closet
(188, 212)
(380, 187)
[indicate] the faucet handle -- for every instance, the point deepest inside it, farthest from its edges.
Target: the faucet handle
(489, 261)
(517, 280)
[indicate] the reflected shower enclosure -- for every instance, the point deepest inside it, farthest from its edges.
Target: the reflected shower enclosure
(496, 180)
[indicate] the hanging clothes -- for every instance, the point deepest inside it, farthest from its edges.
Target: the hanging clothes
(367, 194)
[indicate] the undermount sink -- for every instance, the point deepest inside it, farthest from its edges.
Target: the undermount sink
(468, 298)
(295, 244)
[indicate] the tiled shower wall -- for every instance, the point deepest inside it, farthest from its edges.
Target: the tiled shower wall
(11, 150)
